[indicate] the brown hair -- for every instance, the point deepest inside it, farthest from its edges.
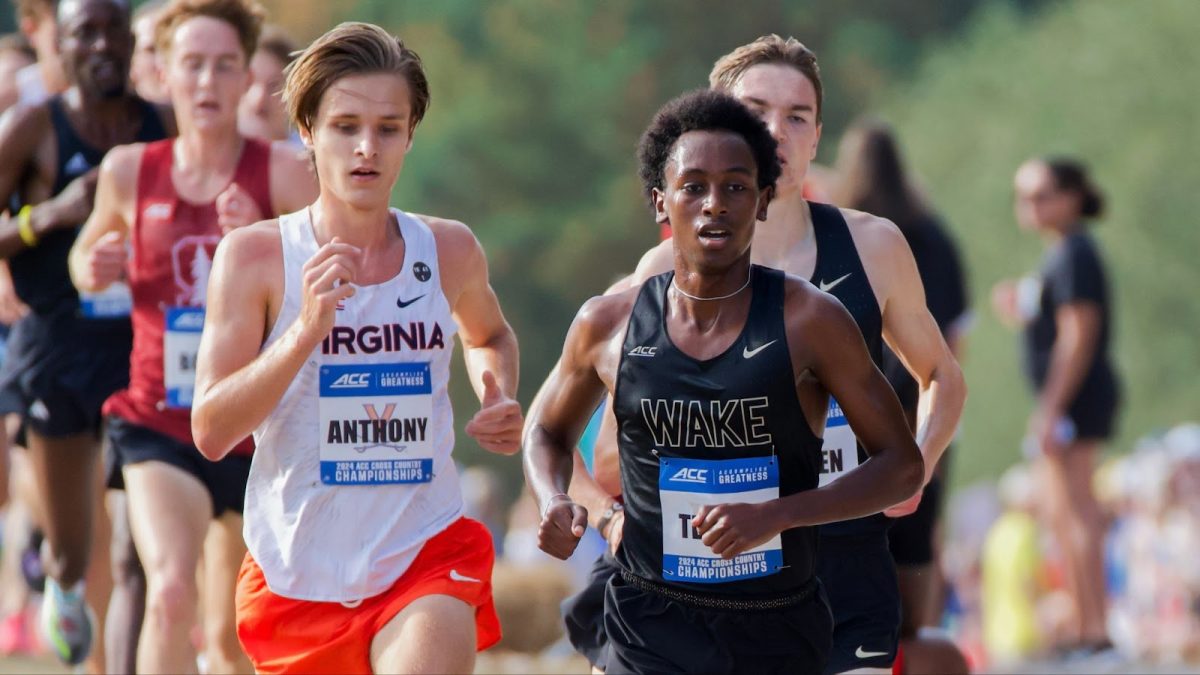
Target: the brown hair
(276, 42)
(872, 176)
(1071, 175)
(351, 48)
(246, 17)
(767, 49)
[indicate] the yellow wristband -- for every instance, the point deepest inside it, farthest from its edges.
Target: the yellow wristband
(25, 227)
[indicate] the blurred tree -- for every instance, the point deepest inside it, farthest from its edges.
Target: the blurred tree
(1115, 84)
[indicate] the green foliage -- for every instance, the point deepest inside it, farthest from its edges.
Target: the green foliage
(1115, 84)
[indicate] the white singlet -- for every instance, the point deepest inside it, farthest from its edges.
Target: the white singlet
(352, 472)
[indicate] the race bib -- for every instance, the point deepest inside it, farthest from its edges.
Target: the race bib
(839, 448)
(375, 424)
(113, 302)
(683, 486)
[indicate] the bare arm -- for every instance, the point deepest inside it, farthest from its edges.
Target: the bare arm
(98, 256)
(913, 335)
(22, 131)
(489, 343)
(557, 418)
(236, 386)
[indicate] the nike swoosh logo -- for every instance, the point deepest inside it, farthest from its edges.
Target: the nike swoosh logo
(405, 303)
(455, 576)
(826, 286)
(748, 353)
(866, 655)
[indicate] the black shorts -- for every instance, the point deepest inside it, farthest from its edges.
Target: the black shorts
(58, 372)
(647, 633)
(1094, 411)
(911, 537)
(583, 613)
(225, 480)
(860, 580)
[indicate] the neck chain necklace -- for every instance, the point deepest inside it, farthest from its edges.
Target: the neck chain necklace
(720, 297)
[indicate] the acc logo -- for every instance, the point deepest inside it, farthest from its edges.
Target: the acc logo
(352, 381)
(189, 321)
(643, 351)
(421, 271)
(691, 475)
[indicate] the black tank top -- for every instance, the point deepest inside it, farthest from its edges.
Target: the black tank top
(728, 429)
(40, 274)
(839, 271)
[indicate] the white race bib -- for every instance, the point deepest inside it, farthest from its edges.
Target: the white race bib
(181, 343)
(375, 424)
(839, 448)
(113, 302)
(683, 486)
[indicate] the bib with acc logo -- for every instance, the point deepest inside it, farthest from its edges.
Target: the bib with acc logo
(375, 424)
(684, 486)
(181, 343)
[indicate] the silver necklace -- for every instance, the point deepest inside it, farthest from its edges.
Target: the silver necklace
(720, 297)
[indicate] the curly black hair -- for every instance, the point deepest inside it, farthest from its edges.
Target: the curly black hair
(703, 110)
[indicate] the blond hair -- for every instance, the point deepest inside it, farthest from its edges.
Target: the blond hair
(245, 16)
(767, 49)
(351, 48)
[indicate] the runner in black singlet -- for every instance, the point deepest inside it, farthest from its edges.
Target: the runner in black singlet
(720, 373)
(70, 352)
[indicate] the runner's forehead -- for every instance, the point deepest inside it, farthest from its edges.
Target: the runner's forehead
(714, 150)
(379, 94)
(74, 12)
(776, 85)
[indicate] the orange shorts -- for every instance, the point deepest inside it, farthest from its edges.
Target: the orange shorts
(282, 635)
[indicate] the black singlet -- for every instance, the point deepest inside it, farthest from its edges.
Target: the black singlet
(839, 271)
(722, 427)
(40, 275)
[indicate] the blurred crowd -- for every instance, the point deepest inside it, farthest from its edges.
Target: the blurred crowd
(1007, 600)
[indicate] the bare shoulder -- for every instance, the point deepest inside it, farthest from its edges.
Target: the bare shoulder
(874, 236)
(604, 316)
(253, 245)
(659, 259)
(122, 163)
(450, 234)
(25, 121)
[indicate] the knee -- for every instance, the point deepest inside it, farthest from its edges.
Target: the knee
(171, 599)
(126, 566)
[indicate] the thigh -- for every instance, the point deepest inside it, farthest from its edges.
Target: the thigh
(433, 634)
(169, 512)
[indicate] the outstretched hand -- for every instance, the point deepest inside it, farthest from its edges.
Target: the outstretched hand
(498, 424)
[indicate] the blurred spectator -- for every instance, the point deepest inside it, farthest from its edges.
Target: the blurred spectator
(1011, 564)
(15, 54)
(143, 68)
(39, 81)
(1065, 312)
(261, 113)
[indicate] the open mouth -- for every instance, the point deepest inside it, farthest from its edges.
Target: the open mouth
(714, 234)
(364, 174)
